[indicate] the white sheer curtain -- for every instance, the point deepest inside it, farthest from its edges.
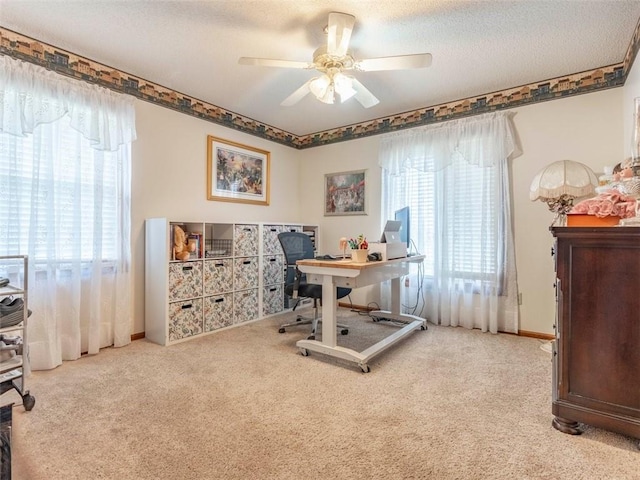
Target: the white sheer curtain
(455, 178)
(65, 152)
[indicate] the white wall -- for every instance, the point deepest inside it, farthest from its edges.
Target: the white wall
(631, 91)
(585, 128)
(169, 165)
(169, 180)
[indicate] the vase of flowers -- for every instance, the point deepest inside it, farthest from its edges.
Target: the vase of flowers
(359, 249)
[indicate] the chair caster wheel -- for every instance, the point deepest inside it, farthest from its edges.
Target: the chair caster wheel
(365, 368)
(304, 352)
(281, 330)
(344, 331)
(311, 337)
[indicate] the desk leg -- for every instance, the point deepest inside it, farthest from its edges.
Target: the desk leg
(396, 308)
(396, 296)
(329, 311)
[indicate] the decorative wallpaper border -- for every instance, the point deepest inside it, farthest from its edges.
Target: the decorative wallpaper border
(66, 63)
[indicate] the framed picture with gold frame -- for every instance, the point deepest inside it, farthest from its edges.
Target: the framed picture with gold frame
(344, 193)
(236, 172)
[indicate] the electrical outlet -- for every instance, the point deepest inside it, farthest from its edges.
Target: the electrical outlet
(406, 282)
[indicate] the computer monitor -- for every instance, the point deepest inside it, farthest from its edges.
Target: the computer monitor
(403, 216)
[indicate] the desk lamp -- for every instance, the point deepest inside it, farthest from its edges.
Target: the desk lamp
(559, 184)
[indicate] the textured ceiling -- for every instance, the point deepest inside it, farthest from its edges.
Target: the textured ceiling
(193, 47)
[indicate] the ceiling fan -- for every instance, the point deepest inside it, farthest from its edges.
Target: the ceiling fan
(333, 60)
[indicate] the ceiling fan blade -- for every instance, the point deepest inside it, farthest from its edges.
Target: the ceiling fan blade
(399, 62)
(364, 96)
(339, 33)
(298, 95)
(268, 62)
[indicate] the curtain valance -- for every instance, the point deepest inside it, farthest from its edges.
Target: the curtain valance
(31, 95)
(481, 140)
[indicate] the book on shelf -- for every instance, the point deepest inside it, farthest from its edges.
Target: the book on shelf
(197, 239)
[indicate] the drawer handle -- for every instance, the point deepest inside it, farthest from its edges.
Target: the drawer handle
(246, 262)
(186, 306)
(274, 230)
(273, 289)
(246, 229)
(273, 259)
(218, 300)
(219, 264)
(186, 269)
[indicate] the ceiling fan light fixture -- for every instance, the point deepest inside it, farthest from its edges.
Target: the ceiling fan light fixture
(319, 85)
(323, 89)
(329, 95)
(344, 86)
(332, 59)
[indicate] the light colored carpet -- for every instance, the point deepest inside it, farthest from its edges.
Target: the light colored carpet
(446, 403)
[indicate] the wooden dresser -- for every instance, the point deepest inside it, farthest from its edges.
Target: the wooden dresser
(596, 353)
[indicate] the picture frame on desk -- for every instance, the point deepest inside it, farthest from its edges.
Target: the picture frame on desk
(345, 193)
(236, 172)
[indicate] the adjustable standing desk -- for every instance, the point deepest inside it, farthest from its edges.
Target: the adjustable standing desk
(347, 273)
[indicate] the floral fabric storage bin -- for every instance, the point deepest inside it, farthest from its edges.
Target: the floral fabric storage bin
(272, 299)
(270, 243)
(273, 269)
(245, 240)
(218, 276)
(245, 305)
(245, 273)
(185, 280)
(218, 312)
(185, 319)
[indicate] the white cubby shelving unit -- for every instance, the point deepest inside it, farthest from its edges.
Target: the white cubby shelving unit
(235, 276)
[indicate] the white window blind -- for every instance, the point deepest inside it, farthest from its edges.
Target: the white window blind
(44, 177)
(463, 186)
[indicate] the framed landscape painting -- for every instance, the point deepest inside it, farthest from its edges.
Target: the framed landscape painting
(345, 193)
(236, 172)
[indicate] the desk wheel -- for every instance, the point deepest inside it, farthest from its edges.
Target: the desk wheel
(281, 330)
(344, 331)
(364, 367)
(304, 352)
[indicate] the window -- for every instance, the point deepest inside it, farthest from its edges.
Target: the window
(466, 188)
(454, 176)
(44, 177)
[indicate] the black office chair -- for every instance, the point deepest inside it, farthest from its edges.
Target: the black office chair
(298, 246)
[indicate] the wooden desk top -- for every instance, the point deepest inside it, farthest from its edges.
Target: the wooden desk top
(350, 264)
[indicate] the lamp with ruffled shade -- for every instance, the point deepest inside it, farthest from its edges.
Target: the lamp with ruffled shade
(559, 184)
